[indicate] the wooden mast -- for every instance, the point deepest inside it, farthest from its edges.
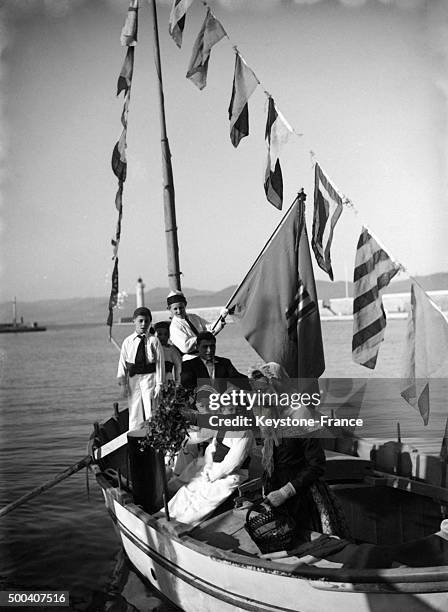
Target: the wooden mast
(172, 246)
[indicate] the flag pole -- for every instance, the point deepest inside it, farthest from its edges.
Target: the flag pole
(300, 196)
(172, 245)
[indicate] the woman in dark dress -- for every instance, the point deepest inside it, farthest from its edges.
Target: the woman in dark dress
(294, 469)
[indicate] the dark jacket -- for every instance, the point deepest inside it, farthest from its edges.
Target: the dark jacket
(300, 461)
(225, 372)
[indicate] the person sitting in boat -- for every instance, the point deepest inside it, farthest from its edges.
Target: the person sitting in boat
(210, 480)
(141, 369)
(173, 358)
(184, 328)
(207, 366)
(294, 467)
(197, 436)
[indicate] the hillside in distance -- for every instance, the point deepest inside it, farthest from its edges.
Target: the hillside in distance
(94, 310)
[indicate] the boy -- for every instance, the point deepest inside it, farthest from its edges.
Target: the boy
(141, 369)
(185, 328)
(173, 358)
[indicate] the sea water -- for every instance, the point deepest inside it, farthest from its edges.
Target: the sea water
(54, 386)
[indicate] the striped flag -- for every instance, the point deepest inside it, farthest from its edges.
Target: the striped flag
(301, 306)
(210, 33)
(177, 19)
(128, 35)
(244, 84)
(426, 349)
(327, 210)
(276, 135)
(276, 304)
(374, 270)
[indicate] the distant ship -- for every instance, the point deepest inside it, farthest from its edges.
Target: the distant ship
(17, 327)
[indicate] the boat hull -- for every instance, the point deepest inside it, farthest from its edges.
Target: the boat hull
(200, 579)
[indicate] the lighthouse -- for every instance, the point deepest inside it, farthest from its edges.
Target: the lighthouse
(140, 293)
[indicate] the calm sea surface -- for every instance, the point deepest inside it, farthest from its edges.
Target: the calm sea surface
(54, 385)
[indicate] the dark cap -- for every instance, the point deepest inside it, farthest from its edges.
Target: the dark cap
(162, 325)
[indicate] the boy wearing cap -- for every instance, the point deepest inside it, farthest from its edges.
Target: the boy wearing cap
(173, 358)
(141, 369)
(185, 328)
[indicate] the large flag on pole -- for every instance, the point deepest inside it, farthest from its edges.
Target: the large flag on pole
(276, 135)
(210, 33)
(276, 304)
(327, 210)
(177, 19)
(426, 349)
(244, 85)
(374, 270)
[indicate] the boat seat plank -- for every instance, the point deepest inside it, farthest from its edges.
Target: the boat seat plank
(226, 531)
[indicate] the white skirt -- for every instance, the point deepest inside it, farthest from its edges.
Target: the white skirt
(198, 497)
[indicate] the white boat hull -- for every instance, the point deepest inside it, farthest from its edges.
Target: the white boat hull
(198, 580)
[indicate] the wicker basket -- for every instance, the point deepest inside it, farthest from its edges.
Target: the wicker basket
(271, 529)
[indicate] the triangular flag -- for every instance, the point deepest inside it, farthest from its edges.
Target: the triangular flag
(244, 84)
(113, 299)
(125, 78)
(129, 31)
(210, 33)
(327, 210)
(374, 270)
(426, 349)
(177, 19)
(276, 304)
(276, 135)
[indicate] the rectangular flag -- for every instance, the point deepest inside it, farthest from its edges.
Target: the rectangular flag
(276, 135)
(374, 270)
(276, 304)
(177, 19)
(244, 85)
(426, 349)
(327, 210)
(210, 33)
(128, 35)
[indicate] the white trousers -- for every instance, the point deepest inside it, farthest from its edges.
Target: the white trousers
(141, 400)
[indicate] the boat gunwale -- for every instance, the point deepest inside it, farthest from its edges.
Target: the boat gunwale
(325, 578)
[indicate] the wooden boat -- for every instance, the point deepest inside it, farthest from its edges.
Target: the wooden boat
(398, 558)
(216, 566)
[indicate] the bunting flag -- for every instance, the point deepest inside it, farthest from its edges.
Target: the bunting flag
(276, 304)
(119, 163)
(327, 210)
(276, 135)
(210, 33)
(426, 349)
(128, 35)
(113, 300)
(125, 78)
(177, 19)
(374, 270)
(244, 85)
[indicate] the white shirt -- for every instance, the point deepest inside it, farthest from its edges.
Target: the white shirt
(182, 336)
(210, 365)
(154, 354)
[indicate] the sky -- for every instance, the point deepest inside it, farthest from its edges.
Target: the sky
(364, 81)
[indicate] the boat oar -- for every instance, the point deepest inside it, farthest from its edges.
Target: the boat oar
(76, 467)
